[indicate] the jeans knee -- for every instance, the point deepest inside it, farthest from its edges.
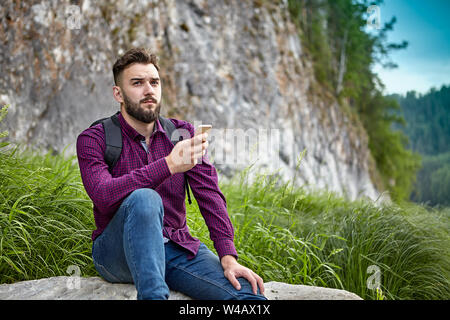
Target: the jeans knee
(246, 292)
(146, 202)
(146, 194)
(248, 296)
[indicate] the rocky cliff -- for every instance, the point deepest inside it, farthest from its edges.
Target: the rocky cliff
(238, 65)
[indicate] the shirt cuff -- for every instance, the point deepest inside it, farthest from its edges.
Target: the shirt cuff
(158, 172)
(225, 247)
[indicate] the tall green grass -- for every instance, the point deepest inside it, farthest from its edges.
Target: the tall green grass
(45, 216)
(283, 233)
(339, 239)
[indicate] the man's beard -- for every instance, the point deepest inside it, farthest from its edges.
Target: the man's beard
(141, 113)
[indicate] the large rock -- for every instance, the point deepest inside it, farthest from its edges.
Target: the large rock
(238, 65)
(94, 288)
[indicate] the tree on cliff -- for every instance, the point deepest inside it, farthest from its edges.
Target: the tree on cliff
(344, 50)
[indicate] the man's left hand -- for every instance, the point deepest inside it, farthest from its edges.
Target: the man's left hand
(233, 270)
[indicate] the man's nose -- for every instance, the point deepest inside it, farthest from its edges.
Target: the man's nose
(148, 88)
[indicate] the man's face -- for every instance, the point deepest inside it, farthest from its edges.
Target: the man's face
(141, 92)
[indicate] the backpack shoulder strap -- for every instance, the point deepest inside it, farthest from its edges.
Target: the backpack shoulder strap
(113, 139)
(97, 122)
(174, 137)
(170, 130)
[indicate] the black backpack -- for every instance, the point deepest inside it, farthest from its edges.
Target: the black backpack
(113, 139)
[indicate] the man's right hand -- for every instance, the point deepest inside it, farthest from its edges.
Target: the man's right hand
(187, 153)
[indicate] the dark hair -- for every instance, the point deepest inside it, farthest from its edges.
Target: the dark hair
(135, 55)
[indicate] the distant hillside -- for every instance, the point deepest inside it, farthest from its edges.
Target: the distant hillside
(427, 120)
(427, 126)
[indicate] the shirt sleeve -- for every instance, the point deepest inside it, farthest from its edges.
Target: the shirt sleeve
(203, 181)
(105, 191)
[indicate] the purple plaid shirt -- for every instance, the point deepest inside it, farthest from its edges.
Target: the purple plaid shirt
(138, 168)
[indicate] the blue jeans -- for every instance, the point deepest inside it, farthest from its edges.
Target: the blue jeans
(132, 250)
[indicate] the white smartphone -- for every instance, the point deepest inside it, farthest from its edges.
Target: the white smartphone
(203, 128)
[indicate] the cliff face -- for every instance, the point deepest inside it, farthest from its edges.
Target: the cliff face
(238, 65)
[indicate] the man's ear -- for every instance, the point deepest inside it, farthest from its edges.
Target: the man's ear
(117, 93)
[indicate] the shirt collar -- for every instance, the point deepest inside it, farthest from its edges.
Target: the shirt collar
(132, 133)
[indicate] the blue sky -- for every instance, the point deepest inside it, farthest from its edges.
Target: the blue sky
(425, 24)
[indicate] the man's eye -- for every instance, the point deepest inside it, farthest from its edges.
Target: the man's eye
(154, 83)
(137, 82)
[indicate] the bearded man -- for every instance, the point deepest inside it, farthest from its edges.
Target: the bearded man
(139, 207)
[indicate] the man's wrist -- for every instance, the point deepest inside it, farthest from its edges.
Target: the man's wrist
(170, 165)
(228, 260)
